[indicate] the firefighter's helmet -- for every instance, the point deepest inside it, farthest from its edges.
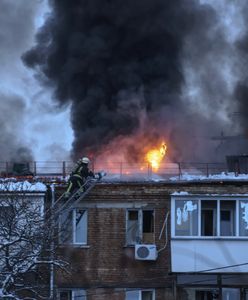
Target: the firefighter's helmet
(85, 160)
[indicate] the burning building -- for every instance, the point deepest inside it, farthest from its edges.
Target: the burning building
(145, 87)
(133, 76)
(157, 240)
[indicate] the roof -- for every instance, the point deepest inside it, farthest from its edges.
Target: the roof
(8, 185)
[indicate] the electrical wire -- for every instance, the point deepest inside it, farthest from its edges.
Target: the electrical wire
(224, 267)
(224, 276)
(121, 290)
(154, 288)
(165, 225)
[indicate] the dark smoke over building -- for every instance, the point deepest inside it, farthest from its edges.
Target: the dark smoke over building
(13, 145)
(121, 66)
(16, 32)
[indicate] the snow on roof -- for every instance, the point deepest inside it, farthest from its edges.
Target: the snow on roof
(221, 176)
(7, 185)
(181, 193)
(224, 176)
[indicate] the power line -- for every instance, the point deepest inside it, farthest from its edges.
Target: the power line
(119, 290)
(224, 267)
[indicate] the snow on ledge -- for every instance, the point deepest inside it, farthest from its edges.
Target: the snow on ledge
(221, 176)
(26, 186)
(180, 194)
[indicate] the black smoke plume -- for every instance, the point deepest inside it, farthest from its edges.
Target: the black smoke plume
(16, 31)
(120, 66)
(241, 90)
(13, 145)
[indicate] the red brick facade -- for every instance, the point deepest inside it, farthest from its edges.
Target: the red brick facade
(106, 266)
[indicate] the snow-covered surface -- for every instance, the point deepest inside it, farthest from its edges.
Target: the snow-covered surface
(221, 176)
(11, 185)
(183, 177)
(180, 194)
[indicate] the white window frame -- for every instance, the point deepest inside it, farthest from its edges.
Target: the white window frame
(74, 226)
(192, 292)
(73, 233)
(201, 198)
(73, 293)
(233, 216)
(215, 220)
(140, 224)
(140, 293)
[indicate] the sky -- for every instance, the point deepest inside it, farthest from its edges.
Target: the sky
(209, 56)
(28, 117)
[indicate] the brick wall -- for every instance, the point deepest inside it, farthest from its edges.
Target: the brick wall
(107, 265)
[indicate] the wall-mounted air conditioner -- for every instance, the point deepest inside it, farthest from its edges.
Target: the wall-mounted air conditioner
(146, 252)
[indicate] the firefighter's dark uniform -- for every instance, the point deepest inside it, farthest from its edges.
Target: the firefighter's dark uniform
(78, 178)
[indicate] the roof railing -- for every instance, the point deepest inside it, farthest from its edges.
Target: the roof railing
(117, 170)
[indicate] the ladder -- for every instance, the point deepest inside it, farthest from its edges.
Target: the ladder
(60, 205)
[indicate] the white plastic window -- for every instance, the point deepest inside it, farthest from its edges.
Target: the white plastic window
(186, 218)
(73, 227)
(66, 227)
(133, 227)
(140, 295)
(210, 217)
(80, 226)
(140, 227)
(227, 218)
(227, 294)
(6, 215)
(73, 294)
(243, 218)
(230, 294)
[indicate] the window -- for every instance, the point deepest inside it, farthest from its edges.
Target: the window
(74, 294)
(140, 295)
(186, 216)
(209, 217)
(10, 221)
(243, 217)
(7, 214)
(73, 226)
(227, 294)
(227, 218)
(206, 295)
(246, 294)
(230, 293)
(213, 294)
(140, 227)
(133, 232)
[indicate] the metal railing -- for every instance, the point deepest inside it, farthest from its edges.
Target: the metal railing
(115, 170)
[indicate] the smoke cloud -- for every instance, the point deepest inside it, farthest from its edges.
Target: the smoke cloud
(16, 32)
(139, 68)
(241, 90)
(13, 147)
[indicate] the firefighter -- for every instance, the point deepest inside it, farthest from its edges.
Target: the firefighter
(78, 176)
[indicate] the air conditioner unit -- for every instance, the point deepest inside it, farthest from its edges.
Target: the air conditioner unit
(146, 252)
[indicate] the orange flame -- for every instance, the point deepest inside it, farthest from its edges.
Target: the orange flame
(154, 156)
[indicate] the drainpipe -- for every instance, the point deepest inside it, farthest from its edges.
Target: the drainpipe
(51, 294)
(174, 288)
(219, 281)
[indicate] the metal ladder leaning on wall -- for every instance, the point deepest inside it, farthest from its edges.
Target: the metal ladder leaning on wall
(59, 206)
